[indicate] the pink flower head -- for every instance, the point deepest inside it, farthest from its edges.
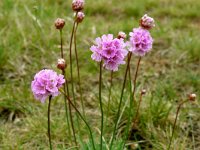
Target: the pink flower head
(147, 22)
(111, 51)
(78, 5)
(46, 83)
(140, 41)
(80, 16)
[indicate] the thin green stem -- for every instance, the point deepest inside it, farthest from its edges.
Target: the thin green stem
(81, 116)
(70, 58)
(135, 77)
(49, 125)
(65, 86)
(177, 113)
(110, 91)
(101, 106)
(78, 70)
(71, 76)
(120, 103)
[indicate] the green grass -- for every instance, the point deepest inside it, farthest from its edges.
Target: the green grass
(29, 42)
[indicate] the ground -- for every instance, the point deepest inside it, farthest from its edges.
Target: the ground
(30, 42)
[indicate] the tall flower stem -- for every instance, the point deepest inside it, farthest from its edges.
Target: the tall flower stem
(135, 77)
(82, 117)
(177, 113)
(65, 85)
(110, 91)
(101, 106)
(71, 76)
(70, 58)
(49, 125)
(121, 97)
(78, 70)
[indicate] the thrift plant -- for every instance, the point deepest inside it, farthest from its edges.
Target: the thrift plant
(109, 52)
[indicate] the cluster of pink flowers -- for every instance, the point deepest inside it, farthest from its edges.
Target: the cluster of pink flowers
(111, 51)
(46, 83)
(140, 41)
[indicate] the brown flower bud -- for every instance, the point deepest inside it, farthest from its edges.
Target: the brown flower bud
(61, 64)
(143, 92)
(80, 16)
(59, 23)
(192, 97)
(121, 35)
(78, 5)
(147, 22)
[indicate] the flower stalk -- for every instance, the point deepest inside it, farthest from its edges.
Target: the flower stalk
(66, 89)
(78, 70)
(49, 125)
(82, 117)
(174, 125)
(121, 97)
(110, 92)
(101, 106)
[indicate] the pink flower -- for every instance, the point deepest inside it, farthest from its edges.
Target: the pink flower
(80, 16)
(147, 22)
(46, 83)
(111, 51)
(78, 5)
(140, 41)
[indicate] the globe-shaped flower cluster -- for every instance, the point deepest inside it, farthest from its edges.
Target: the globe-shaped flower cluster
(110, 51)
(46, 83)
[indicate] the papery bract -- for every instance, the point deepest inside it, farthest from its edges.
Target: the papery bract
(46, 83)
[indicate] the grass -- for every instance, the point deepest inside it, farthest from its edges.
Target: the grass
(29, 42)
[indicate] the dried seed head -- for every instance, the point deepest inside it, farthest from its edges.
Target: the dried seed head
(78, 5)
(192, 97)
(80, 16)
(147, 22)
(121, 35)
(143, 92)
(59, 23)
(61, 64)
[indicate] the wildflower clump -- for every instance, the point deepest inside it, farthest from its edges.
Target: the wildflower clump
(46, 83)
(111, 51)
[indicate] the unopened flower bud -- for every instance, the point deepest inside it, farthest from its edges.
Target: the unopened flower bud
(192, 97)
(61, 64)
(143, 92)
(59, 23)
(147, 22)
(78, 5)
(121, 35)
(80, 16)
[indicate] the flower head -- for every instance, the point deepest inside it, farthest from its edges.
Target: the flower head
(61, 64)
(78, 5)
(147, 22)
(59, 23)
(140, 41)
(121, 35)
(192, 97)
(111, 51)
(80, 16)
(46, 83)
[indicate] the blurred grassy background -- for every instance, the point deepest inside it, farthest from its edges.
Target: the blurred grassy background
(29, 42)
